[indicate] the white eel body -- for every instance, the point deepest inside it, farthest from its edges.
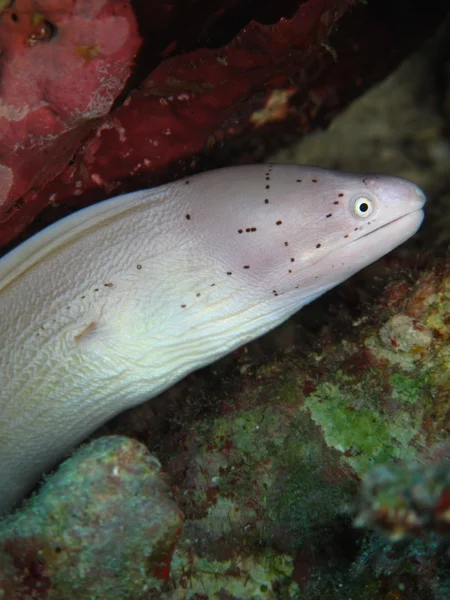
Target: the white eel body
(112, 305)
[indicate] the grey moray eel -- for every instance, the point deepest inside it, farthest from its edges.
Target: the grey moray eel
(113, 304)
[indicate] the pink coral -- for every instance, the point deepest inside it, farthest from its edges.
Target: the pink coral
(63, 63)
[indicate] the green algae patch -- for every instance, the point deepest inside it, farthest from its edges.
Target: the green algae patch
(310, 487)
(409, 389)
(263, 476)
(362, 432)
(255, 577)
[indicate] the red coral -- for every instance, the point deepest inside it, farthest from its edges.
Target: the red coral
(63, 63)
(221, 80)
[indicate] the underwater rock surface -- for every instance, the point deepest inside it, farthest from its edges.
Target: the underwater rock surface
(103, 526)
(411, 500)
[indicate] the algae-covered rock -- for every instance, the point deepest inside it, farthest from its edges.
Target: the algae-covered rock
(102, 527)
(408, 500)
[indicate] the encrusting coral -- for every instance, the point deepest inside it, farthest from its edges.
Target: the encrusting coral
(103, 526)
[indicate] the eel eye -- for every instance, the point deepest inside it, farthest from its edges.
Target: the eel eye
(362, 207)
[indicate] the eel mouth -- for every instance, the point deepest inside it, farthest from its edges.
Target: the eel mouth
(415, 216)
(392, 234)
